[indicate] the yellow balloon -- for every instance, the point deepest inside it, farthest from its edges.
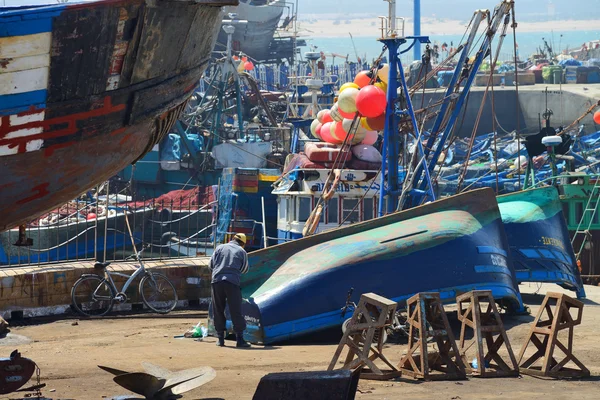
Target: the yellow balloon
(382, 86)
(363, 122)
(348, 85)
(383, 73)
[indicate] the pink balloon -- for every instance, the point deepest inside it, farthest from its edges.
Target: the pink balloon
(370, 138)
(345, 114)
(325, 132)
(371, 101)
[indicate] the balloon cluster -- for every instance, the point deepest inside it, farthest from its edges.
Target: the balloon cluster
(365, 98)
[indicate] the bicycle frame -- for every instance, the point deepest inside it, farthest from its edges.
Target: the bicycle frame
(130, 278)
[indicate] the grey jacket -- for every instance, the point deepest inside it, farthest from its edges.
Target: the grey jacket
(228, 262)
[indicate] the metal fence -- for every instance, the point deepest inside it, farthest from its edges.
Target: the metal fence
(95, 227)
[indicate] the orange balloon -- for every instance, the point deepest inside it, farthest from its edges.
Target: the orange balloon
(362, 79)
(597, 117)
(377, 123)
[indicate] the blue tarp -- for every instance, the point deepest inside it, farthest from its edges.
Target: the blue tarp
(570, 63)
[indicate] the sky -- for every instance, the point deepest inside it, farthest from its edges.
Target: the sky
(526, 10)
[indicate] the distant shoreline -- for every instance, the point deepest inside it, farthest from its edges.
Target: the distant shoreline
(369, 27)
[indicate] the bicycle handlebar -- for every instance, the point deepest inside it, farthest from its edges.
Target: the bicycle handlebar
(347, 302)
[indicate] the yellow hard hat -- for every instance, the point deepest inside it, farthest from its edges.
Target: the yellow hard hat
(241, 237)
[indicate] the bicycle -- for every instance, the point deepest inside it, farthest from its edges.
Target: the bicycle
(94, 296)
(399, 328)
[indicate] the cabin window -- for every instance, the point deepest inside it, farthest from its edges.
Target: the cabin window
(283, 205)
(322, 217)
(350, 211)
(332, 211)
(304, 208)
(368, 209)
(292, 209)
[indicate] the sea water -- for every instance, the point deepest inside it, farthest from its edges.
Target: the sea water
(528, 43)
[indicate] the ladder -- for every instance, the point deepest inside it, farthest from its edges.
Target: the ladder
(590, 210)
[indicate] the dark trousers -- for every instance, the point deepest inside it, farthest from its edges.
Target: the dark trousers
(226, 293)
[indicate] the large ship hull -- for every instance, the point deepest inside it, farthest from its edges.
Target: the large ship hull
(86, 89)
(255, 37)
(450, 246)
(539, 240)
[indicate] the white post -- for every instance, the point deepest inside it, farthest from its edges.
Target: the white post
(264, 223)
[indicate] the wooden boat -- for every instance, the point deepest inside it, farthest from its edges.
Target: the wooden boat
(449, 246)
(540, 246)
(86, 89)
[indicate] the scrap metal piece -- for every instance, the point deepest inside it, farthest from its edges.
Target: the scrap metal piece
(160, 383)
(15, 372)
(314, 385)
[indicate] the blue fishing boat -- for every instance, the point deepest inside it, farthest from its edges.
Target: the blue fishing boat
(540, 245)
(450, 246)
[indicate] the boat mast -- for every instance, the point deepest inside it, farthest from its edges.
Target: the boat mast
(417, 29)
(393, 37)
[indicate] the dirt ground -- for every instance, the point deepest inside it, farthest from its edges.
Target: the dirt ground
(69, 350)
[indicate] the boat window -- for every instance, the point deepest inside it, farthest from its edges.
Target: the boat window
(332, 211)
(350, 214)
(283, 205)
(292, 209)
(368, 209)
(322, 218)
(304, 208)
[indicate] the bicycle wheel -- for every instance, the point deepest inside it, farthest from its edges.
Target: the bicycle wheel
(92, 296)
(158, 293)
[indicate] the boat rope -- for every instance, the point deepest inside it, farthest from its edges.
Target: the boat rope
(339, 163)
(517, 104)
(578, 120)
(490, 83)
(362, 198)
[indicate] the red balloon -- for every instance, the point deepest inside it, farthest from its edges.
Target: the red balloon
(339, 133)
(318, 130)
(371, 101)
(91, 216)
(377, 123)
(326, 117)
(345, 114)
(362, 79)
(248, 66)
(597, 117)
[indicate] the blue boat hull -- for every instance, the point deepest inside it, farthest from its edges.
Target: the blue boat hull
(539, 240)
(450, 246)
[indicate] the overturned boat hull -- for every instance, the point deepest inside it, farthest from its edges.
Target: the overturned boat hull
(538, 237)
(86, 89)
(450, 246)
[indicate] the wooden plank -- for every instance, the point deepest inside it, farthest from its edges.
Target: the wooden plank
(88, 34)
(25, 46)
(24, 63)
(24, 81)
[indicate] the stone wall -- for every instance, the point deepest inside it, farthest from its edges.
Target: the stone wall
(46, 290)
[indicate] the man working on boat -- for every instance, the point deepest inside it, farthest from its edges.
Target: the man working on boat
(227, 263)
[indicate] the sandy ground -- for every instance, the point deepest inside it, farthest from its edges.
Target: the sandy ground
(68, 355)
(323, 27)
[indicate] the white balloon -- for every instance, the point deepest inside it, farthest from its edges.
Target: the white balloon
(335, 114)
(359, 133)
(313, 128)
(383, 73)
(347, 100)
